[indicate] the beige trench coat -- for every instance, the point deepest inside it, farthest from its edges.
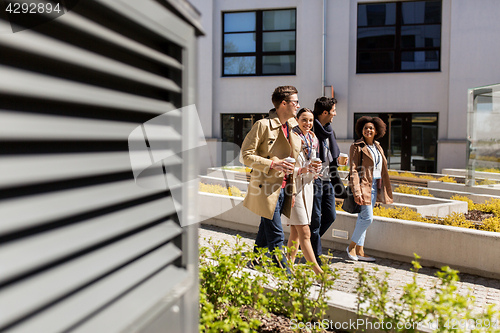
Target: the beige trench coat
(363, 184)
(265, 143)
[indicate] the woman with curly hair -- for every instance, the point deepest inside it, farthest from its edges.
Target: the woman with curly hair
(369, 180)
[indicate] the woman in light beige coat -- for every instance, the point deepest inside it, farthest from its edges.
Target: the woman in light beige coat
(304, 174)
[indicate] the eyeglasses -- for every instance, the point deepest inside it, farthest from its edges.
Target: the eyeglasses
(295, 102)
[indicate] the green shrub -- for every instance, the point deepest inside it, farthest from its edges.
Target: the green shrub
(228, 292)
(225, 287)
(445, 311)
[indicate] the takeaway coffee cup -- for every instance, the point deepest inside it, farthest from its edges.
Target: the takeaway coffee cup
(343, 159)
(316, 162)
(292, 161)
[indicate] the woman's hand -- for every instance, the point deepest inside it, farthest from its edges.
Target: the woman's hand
(303, 170)
(358, 199)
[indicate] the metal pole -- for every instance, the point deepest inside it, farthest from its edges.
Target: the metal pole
(389, 146)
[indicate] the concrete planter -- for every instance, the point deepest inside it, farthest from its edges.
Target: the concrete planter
(448, 193)
(492, 190)
(428, 206)
(469, 251)
(478, 174)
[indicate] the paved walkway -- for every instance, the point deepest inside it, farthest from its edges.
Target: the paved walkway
(486, 291)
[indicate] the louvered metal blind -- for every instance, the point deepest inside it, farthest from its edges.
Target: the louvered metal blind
(82, 247)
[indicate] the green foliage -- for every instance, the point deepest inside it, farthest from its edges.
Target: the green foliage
(225, 287)
(413, 190)
(445, 311)
(229, 292)
(292, 296)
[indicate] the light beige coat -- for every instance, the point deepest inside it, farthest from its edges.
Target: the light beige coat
(302, 211)
(265, 143)
(361, 178)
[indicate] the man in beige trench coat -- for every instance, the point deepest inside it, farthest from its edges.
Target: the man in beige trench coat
(271, 191)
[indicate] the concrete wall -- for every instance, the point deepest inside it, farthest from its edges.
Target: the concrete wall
(204, 64)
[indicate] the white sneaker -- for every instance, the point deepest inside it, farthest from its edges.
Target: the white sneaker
(355, 258)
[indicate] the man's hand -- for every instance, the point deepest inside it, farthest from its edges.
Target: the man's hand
(282, 165)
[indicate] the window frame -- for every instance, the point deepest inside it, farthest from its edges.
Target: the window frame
(398, 49)
(259, 53)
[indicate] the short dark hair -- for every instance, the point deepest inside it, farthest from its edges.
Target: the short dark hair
(281, 93)
(301, 111)
(379, 124)
(323, 104)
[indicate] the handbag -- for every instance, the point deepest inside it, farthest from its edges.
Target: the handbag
(349, 205)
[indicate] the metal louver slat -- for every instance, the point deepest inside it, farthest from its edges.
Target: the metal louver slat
(83, 24)
(66, 313)
(118, 317)
(15, 125)
(67, 203)
(80, 272)
(44, 46)
(27, 84)
(23, 170)
(172, 26)
(42, 249)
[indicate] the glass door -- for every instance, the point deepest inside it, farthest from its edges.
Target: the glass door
(235, 128)
(410, 142)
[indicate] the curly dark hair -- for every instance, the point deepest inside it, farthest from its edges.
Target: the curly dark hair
(379, 124)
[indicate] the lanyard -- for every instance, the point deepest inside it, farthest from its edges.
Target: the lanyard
(308, 141)
(376, 156)
(287, 133)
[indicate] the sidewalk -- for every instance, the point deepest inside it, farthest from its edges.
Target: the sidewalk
(486, 291)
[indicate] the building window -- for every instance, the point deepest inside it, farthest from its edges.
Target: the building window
(399, 37)
(260, 42)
